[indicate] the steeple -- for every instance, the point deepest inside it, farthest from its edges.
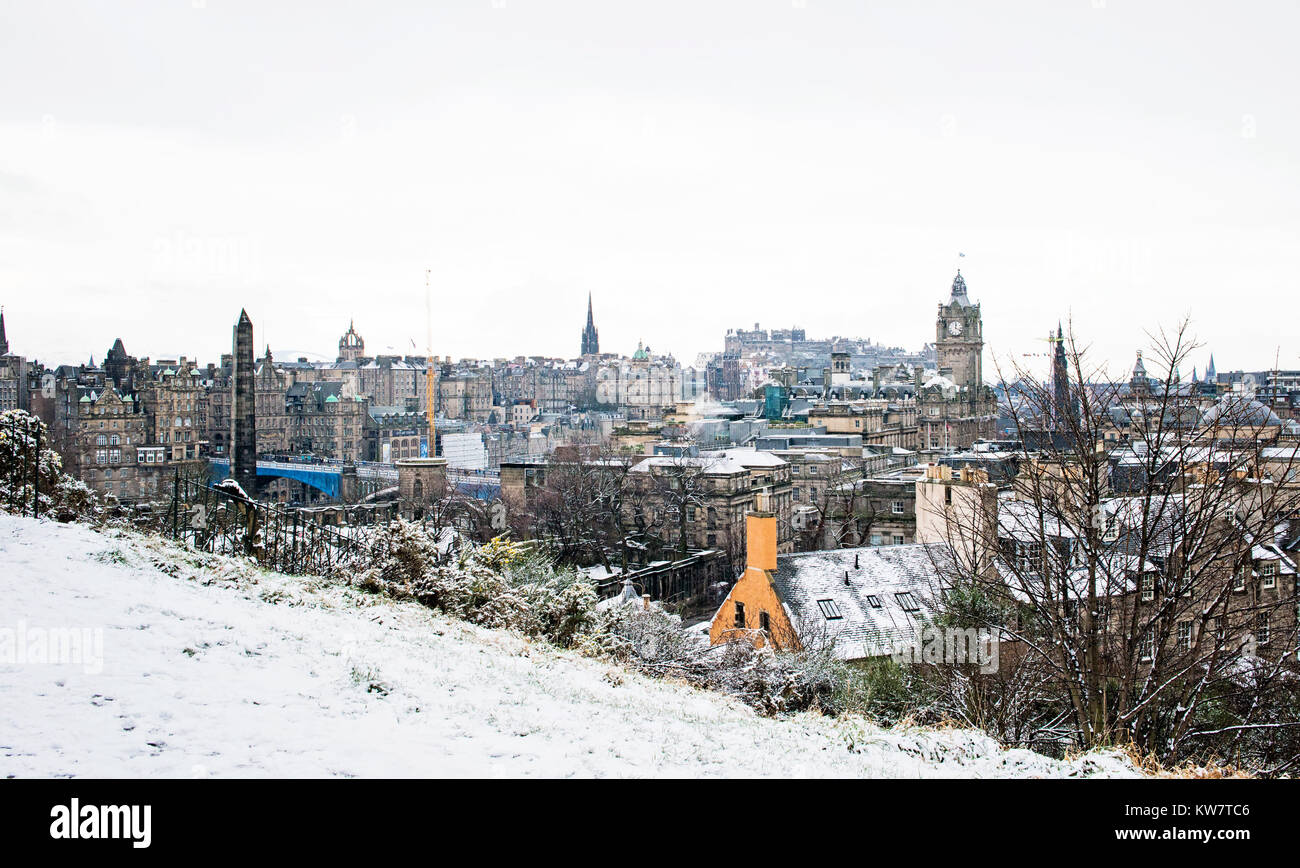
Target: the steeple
(590, 337)
(1062, 404)
(1210, 375)
(959, 290)
(4, 341)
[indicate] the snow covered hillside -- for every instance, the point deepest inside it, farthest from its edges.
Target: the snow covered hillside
(212, 667)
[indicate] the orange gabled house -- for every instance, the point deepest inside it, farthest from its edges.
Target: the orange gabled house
(753, 610)
(858, 603)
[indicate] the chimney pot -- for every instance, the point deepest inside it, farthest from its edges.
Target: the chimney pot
(645, 602)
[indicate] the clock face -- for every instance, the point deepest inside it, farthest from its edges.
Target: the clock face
(954, 328)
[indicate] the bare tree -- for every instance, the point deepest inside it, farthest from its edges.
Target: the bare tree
(1138, 571)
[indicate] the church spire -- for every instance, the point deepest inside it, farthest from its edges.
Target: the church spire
(590, 337)
(4, 341)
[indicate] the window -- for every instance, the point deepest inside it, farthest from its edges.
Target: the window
(830, 610)
(1029, 555)
(1147, 644)
(875, 539)
(898, 539)
(1184, 635)
(101, 440)
(947, 495)
(1268, 570)
(1103, 614)
(1261, 628)
(874, 602)
(1148, 588)
(765, 622)
(907, 601)
(740, 616)
(896, 507)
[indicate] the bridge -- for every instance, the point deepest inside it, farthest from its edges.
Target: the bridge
(326, 476)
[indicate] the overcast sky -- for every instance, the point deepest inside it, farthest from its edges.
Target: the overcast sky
(697, 166)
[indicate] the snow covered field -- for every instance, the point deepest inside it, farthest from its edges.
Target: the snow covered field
(210, 667)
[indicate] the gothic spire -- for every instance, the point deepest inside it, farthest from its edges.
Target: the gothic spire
(4, 341)
(590, 337)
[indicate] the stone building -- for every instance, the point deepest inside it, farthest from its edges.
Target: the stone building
(13, 375)
(880, 422)
(642, 387)
(114, 457)
(172, 401)
(955, 407)
(319, 420)
(269, 399)
(464, 393)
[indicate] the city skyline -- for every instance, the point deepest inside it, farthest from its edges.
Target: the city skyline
(696, 169)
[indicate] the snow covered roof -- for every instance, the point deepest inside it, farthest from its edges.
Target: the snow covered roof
(753, 458)
(888, 588)
(1241, 411)
(709, 463)
(1019, 519)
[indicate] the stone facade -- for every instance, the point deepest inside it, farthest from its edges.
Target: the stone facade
(243, 408)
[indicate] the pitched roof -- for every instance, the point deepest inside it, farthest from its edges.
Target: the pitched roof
(868, 614)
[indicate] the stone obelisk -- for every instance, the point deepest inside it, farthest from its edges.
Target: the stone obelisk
(243, 418)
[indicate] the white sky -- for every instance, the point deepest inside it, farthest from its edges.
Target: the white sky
(697, 165)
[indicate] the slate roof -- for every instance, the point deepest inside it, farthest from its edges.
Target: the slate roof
(812, 585)
(1242, 412)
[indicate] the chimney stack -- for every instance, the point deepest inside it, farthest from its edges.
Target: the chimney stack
(760, 541)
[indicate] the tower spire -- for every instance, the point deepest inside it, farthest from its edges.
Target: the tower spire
(590, 337)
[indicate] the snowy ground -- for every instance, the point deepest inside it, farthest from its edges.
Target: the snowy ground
(212, 667)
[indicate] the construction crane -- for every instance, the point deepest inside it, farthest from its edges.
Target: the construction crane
(429, 387)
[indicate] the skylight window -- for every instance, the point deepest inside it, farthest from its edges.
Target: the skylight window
(830, 610)
(874, 602)
(908, 602)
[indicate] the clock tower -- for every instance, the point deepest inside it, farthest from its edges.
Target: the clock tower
(959, 345)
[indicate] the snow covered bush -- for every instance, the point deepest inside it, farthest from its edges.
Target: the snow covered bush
(499, 584)
(23, 472)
